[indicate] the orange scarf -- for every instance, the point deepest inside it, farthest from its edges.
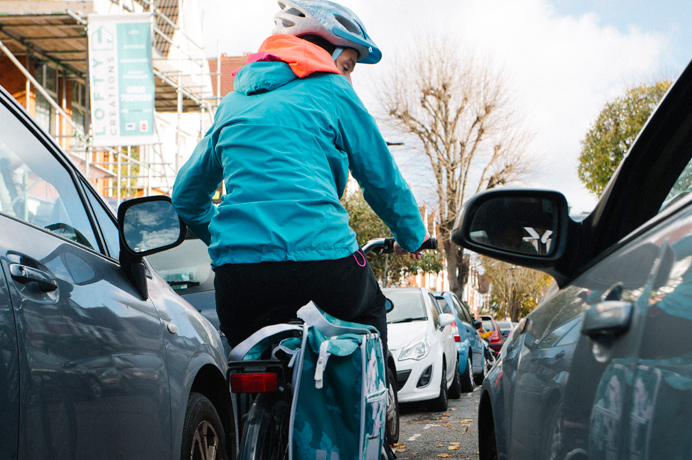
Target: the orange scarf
(303, 57)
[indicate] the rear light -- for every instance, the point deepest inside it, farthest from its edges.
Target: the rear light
(455, 332)
(254, 383)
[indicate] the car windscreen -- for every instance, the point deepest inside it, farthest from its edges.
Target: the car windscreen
(504, 325)
(488, 325)
(186, 268)
(408, 306)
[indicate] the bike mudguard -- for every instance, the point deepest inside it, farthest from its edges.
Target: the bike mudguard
(340, 392)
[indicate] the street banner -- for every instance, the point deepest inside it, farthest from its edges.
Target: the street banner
(121, 79)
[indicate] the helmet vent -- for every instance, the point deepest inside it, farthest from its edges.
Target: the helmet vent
(351, 27)
(295, 12)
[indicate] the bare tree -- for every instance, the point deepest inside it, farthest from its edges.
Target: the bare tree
(515, 291)
(459, 109)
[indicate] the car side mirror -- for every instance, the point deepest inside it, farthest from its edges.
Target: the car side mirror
(445, 319)
(522, 226)
(147, 225)
(477, 324)
(388, 305)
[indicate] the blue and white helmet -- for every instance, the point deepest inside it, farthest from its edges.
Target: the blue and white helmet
(335, 23)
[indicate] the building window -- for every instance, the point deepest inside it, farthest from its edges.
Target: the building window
(47, 77)
(79, 107)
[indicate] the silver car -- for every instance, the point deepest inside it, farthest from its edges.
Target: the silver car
(99, 358)
(602, 369)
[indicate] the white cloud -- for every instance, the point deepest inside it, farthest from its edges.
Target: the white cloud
(563, 69)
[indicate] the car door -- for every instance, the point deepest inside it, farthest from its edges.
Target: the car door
(570, 388)
(471, 334)
(445, 337)
(659, 400)
(93, 381)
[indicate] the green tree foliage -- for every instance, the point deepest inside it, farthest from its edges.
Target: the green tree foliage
(389, 268)
(614, 132)
(515, 291)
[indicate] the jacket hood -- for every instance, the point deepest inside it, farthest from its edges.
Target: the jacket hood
(263, 73)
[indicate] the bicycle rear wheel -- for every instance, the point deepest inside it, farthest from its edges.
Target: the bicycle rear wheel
(266, 432)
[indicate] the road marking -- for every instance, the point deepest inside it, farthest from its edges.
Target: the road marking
(414, 437)
(427, 427)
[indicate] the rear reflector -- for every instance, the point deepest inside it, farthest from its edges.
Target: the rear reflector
(254, 383)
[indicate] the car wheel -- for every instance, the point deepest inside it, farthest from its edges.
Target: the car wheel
(441, 403)
(454, 391)
(203, 432)
(466, 379)
(552, 440)
(478, 378)
(392, 409)
(487, 447)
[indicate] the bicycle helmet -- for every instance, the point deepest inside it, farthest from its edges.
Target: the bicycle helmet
(335, 23)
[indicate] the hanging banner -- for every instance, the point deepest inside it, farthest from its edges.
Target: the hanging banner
(121, 79)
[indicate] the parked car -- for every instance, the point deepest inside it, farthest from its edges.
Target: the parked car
(420, 339)
(187, 269)
(603, 367)
(495, 339)
(100, 358)
(505, 328)
(470, 346)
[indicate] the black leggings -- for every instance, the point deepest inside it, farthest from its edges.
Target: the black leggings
(251, 296)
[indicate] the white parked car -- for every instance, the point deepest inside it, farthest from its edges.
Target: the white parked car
(421, 340)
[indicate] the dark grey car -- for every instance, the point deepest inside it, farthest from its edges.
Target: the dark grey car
(602, 369)
(99, 358)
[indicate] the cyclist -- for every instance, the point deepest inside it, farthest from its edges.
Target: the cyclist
(283, 142)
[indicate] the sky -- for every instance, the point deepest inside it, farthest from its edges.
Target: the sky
(564, 60)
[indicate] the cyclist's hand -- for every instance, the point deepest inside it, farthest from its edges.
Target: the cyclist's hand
(413, 255)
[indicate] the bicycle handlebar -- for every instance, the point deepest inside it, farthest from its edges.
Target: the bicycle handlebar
(386, 245)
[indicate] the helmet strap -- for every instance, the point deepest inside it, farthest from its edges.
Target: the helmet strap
(337, 52)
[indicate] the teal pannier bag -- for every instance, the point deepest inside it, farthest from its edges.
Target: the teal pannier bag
(339, 402)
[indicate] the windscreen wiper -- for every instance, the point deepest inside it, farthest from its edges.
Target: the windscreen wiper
(175, 284)
(406, 320)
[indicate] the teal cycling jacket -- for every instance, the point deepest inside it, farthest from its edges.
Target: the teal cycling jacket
(283, 146)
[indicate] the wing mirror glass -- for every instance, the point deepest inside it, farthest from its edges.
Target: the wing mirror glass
(520, 222)
(148, 225)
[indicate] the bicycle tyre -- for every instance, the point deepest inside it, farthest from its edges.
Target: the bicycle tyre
(266, 431)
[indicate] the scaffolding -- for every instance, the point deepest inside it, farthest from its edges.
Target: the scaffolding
(46, 43)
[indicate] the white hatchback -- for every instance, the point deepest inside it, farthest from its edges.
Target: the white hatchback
(420, 339)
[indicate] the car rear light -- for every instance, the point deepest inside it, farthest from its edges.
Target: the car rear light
(455, 332)
(254, 383)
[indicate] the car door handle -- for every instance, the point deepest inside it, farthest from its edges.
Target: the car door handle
(607, 318)
(24, 274)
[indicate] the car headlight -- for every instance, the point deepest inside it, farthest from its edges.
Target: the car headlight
(417, 350)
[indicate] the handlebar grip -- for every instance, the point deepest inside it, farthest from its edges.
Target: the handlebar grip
(430, 243)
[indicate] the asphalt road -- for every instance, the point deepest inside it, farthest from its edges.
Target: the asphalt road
(426, 435)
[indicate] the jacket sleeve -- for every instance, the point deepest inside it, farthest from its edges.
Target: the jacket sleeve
(195, 186)
(371, 164)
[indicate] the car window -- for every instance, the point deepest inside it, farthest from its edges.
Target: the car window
(408, 305)
(488, 325)
(107, 223)
(436, 310)
(444, 306)
(186, 268)
(463, 314)
(36, 188)
(681, 188)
